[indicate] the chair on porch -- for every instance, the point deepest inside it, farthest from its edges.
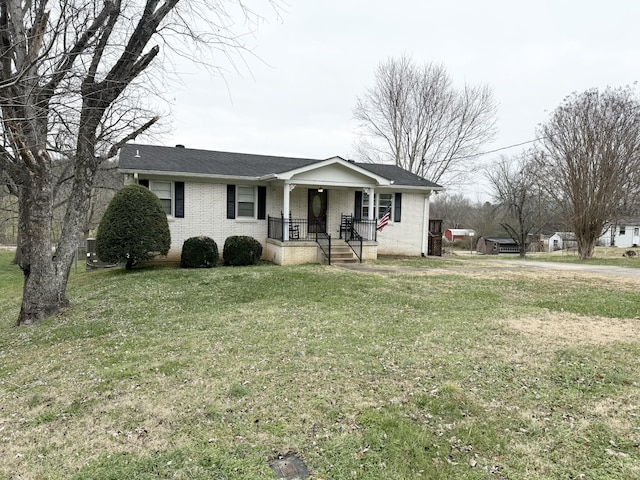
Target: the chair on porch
(346, 225)
(294, 230)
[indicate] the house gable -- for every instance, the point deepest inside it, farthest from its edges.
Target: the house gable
(334, 173)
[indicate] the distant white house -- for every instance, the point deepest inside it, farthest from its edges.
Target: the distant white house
(625, 233)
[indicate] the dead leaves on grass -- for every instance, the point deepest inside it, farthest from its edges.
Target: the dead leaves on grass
(561, 329)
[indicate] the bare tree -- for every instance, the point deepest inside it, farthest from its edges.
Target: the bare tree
(522, 204)
(455, 210)
(415, 118)
(591, 160)
(67, 69)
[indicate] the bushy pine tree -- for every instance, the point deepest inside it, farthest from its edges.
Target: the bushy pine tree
(133, 228)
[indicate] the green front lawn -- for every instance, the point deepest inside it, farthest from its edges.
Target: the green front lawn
(426, 373)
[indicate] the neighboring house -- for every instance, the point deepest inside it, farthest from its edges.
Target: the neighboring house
(453, 234)
(496, 245)
(562, 240)
(294, 206)
(625, 233)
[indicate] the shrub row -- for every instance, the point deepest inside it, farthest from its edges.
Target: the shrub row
(202, 252)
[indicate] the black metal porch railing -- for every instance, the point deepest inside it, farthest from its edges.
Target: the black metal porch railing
(366, 229)
(324, 241)
(298, 229)
(355, 232)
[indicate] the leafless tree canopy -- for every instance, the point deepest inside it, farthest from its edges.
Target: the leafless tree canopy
(590, 159)
(455, 210)
(415, 118)
(521, 203)
(73, 78)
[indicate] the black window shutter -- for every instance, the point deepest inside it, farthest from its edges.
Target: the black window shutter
(231, 201)
(397, 214)
(357, 209)
(262, 203)
(144, 182)
(179, 190)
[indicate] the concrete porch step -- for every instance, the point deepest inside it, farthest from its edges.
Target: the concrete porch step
(341, 253)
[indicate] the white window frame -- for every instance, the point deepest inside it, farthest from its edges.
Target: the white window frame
(254, 191)
(171, 197)
(376, 202)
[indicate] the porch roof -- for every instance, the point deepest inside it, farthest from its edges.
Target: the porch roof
(188, 162)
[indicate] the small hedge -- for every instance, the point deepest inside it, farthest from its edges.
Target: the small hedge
(199, 252)
(241, 250)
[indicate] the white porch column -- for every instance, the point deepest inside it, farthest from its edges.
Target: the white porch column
(286, 209)
(371, 193)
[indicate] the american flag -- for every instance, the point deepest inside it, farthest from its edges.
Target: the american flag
(384, 220)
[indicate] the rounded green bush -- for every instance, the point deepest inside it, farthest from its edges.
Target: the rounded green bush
(133, 228)
(241, 250)
(199, 252)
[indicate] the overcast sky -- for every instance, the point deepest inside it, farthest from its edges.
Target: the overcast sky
(315, 60)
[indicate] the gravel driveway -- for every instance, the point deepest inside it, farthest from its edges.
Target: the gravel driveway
(485, 264)
(629, 272)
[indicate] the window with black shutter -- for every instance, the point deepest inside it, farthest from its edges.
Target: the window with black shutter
(262, 203)
(397, 213)
(231, 201)
(179, 200)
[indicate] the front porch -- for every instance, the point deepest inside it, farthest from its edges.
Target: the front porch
(293, 241)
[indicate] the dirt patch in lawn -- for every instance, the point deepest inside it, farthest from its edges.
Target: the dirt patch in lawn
(562, 329)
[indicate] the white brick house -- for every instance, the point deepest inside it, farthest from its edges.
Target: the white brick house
(295, 207)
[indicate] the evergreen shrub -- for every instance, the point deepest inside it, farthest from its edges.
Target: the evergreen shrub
(199, 252)
(241, 250)
(133, 228)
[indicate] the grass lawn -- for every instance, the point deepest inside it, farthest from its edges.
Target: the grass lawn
(438, 373)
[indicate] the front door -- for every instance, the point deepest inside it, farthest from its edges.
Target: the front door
(317, 215)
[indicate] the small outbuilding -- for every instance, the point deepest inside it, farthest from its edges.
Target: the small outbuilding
(453, 234)
(496, 245)
(562, 241)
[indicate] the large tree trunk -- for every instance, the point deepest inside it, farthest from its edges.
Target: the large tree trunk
(586, 245)
(42, 294)
(17, 258)
(522, 249)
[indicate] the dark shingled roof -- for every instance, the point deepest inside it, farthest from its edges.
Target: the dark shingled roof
(206, 162)
(501, 240)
